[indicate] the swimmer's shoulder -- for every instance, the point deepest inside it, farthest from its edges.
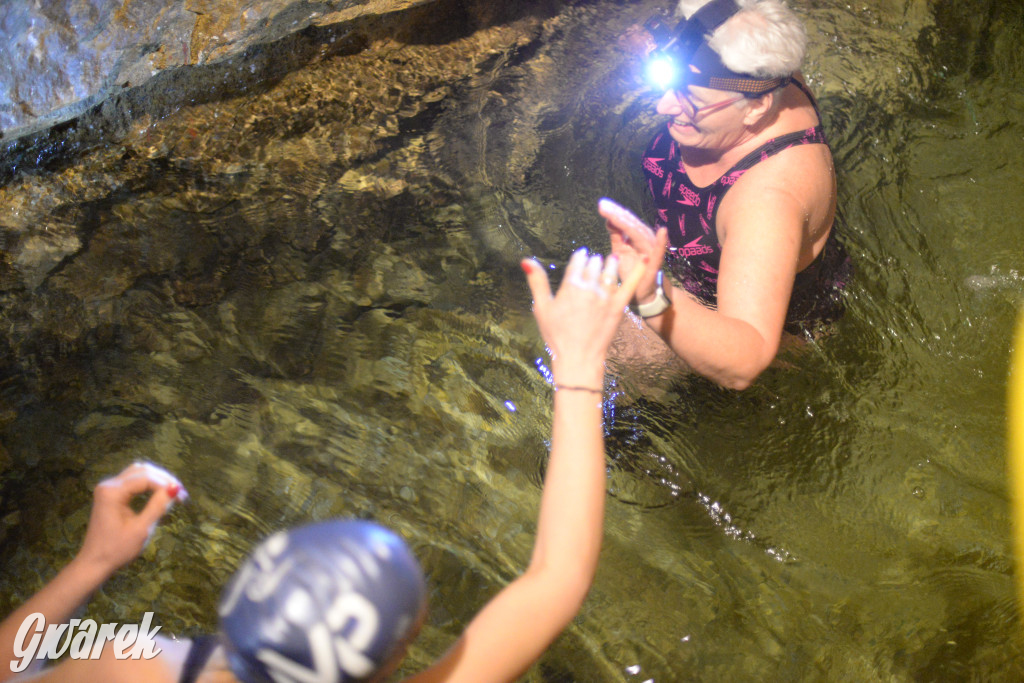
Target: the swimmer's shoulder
(107, 669)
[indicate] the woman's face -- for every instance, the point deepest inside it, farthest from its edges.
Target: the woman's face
(704, 118)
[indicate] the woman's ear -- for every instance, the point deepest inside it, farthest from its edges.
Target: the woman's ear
(760, 110)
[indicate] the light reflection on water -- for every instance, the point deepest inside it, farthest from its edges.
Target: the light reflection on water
(316, 329)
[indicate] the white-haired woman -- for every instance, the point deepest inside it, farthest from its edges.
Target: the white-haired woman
(744, 190)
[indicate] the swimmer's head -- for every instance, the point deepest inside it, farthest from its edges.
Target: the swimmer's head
(331, 601)
(746, 46)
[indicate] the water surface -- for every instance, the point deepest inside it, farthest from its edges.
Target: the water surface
(305, 301)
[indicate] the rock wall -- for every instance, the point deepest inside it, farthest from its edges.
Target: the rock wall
(65, 56)
(194, 181)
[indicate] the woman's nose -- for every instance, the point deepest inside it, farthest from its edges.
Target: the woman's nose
(670, 104)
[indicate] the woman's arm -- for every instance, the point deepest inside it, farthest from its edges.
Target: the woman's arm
(518, 624)
(733, 344)
(115, 536)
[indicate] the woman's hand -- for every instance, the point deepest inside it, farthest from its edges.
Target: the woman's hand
(636, 245)
(117, 534)
(578, 323)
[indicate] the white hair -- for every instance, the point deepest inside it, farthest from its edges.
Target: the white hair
(764, 39)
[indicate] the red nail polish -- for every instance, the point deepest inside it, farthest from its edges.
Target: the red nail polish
(526, 266)
(173, 490)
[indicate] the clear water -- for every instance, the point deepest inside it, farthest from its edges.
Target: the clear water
(305, 301)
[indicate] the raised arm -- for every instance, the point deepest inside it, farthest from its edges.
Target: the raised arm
(518, 624)
(115, 536)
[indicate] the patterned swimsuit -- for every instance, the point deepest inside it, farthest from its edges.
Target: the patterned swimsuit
(694, 252)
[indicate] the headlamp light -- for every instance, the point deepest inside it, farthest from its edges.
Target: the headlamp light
(663, 67)
(662, 71)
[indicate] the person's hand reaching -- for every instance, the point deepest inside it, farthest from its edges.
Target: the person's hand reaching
(579, 322)
(117, 534)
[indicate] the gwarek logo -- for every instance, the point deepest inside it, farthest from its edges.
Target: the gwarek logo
(81, 639)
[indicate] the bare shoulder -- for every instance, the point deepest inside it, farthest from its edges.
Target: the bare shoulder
(791, 193)
(108, 670)
(165, 667)
(807, 165)
(802, 175)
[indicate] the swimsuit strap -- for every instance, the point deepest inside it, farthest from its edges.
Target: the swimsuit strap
(200, 652)
(807, 91)
(769, 149)
(809, 136)
(776, 145)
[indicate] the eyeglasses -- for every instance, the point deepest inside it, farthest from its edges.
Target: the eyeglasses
(696, 112)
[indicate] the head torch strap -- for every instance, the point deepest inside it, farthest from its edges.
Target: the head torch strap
(688, 34)
(703, 23)
(712, 73)
(712, 15)
(747, 86)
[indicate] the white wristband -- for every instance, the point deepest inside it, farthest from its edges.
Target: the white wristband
(659, 305)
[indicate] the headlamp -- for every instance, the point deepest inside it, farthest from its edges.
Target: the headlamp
(662, 72)
(682, 56)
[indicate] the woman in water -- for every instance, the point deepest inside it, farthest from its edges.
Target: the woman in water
(339, 600)
(744, 191)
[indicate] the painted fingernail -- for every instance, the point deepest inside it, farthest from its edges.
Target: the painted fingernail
(173, 490)
(526, 266)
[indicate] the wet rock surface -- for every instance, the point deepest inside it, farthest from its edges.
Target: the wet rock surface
(216, 60)
(63, 57)
(190, 204)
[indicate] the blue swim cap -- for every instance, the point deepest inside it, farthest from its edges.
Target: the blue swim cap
(333, 601)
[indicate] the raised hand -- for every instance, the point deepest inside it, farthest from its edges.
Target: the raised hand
(116, 533)
(520, 622)
(636, 245)
(578, 322)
